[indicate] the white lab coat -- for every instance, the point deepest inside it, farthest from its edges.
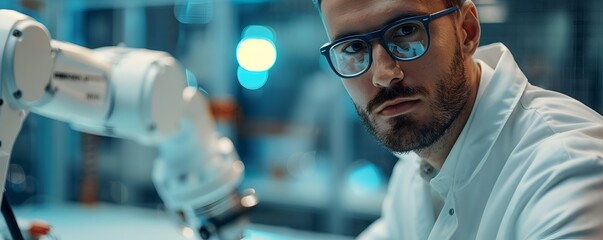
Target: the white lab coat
(527, 165)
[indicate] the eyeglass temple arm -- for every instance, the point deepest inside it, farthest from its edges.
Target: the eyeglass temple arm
(443, 12)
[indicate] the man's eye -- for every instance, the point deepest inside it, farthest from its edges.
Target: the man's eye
(406, 30)
(354, 47)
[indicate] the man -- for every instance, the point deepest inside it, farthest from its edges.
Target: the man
(496, 158)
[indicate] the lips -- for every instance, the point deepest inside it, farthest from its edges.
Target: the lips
(397, 107)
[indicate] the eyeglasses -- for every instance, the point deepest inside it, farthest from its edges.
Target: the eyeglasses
(405, 40)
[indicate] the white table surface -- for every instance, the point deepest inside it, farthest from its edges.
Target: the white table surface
(104, 221)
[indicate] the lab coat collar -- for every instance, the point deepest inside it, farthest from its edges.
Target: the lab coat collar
(501, 86)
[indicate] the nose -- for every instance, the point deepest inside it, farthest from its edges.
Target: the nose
(386, 70)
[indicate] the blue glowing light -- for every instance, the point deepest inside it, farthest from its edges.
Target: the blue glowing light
(252, 80)
(366, 177)
(259, 32)
(256, 54)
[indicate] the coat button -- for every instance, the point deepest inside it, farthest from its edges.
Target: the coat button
(451, 211)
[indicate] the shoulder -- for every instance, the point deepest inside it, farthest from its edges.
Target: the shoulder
(562, 191)
(561, 187)
(559, 127)
(559, 112)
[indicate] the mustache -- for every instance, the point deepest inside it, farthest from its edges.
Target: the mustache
(390, 93)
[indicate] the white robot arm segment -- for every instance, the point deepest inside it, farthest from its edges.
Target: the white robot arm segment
(79, 91)
(115, 91)
(23, 43)
(136, 94)
(199, 194)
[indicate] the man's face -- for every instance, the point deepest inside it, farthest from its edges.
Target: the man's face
(406, 105)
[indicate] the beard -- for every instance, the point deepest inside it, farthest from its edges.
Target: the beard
(407, 133)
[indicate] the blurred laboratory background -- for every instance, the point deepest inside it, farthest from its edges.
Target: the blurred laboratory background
(313, 165)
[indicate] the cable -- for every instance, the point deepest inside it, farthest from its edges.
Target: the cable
(9, 217)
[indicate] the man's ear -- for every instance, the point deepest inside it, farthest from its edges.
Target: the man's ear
(470, 27)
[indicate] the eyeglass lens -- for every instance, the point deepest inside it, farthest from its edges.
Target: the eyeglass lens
(405, 41)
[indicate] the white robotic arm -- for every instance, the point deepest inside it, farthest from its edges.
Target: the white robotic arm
(135, 94)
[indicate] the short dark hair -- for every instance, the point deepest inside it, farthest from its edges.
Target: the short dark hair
(449, 3)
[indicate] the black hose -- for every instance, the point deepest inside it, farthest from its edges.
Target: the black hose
(11, 222)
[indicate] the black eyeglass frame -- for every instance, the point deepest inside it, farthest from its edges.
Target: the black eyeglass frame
(380, 34)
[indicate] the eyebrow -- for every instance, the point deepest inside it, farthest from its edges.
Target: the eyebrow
(397, 18)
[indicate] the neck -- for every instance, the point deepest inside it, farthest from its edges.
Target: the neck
(437, 153)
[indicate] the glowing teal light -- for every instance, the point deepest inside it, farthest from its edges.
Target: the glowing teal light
(259, 32)
(252, 80)
(256, 54)
(366, 177)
